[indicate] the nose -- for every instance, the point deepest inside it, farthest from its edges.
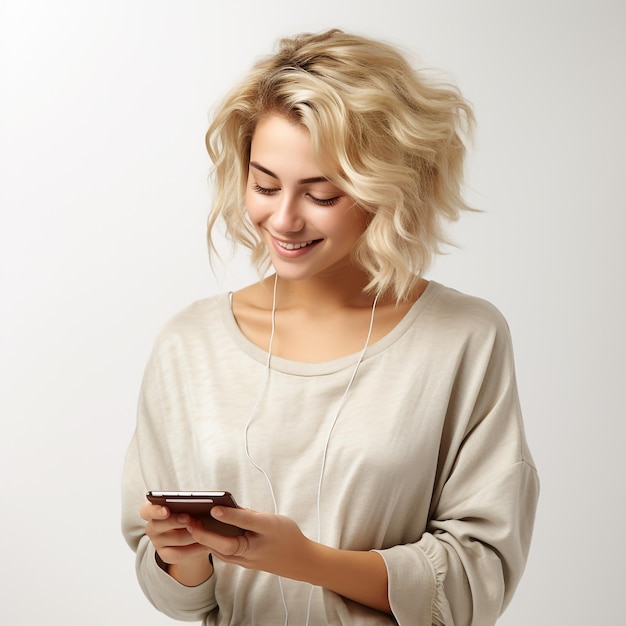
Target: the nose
(287, 216)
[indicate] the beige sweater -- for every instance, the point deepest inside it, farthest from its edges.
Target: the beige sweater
(427, 463)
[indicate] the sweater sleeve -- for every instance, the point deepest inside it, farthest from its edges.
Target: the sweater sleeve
(464, 569)
(150, 464)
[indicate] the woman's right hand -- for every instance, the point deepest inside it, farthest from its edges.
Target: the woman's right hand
(187, 561)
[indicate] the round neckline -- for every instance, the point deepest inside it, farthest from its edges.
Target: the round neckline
(302, 368)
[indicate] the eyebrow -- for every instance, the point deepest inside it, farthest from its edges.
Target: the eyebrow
(303, 181)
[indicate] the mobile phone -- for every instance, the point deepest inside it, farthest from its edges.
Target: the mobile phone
(198, 504)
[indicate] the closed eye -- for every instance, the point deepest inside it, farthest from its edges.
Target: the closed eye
(268, 191)
(263, 190)
(325, 201)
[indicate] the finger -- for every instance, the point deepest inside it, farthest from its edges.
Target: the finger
(239, 553)
(153, 511)
(178, 554)
(167, 536)
(243, 546)
(243, 518)
(172, 530)
(213, 540)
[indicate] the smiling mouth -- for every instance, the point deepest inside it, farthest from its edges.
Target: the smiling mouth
(295, 246)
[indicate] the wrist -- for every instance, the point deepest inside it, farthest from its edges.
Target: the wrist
(192, 572)
(358, 575)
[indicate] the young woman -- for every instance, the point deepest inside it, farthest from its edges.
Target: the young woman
(367, 420)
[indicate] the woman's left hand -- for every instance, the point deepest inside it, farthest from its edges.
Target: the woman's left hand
(272, 543)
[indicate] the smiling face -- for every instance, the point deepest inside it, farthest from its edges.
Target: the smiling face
(308, 225)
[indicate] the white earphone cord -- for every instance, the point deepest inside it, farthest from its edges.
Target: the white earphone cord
(342, 401)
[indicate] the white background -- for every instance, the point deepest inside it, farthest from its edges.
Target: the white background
(103, 206)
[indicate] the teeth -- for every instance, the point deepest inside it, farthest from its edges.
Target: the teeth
(294, 246)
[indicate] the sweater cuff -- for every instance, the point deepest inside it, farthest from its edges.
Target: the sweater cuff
(171, 597)
(416, 574)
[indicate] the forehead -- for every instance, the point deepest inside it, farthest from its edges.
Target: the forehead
(279, 144)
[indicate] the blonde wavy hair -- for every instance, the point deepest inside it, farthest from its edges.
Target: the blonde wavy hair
(385, 135)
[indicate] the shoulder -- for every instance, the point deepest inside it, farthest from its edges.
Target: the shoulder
(195, 322)
(467, 324)
(455, 309)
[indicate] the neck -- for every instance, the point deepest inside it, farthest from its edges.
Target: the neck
(273, 328)
(322, 294)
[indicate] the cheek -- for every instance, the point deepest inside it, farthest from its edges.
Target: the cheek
(354, 223)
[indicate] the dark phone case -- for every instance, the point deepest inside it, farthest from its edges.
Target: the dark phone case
(197, 506)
